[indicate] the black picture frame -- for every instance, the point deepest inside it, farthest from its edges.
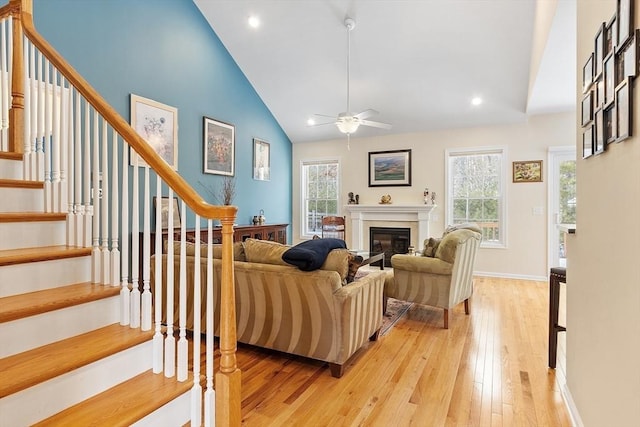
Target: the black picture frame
(390, 168)
(623, 110)
(598, 53)
(599, 132)
(587, 108)
(587, 142)
(610, 36)
(609, 119)
(598, 97)
(628, 56)
(624, 12)
(587, 74)
(609, 79)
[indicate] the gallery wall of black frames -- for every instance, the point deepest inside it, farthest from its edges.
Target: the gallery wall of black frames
(607, 82)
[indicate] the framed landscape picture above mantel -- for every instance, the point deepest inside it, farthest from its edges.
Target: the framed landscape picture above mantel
(219, 147)
(390, 168)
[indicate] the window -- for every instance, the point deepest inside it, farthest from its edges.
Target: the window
(475, 190)
(319, 194)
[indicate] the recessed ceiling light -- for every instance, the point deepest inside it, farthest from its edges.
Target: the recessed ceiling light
(254, 21)
(476, 101)
(311, 122)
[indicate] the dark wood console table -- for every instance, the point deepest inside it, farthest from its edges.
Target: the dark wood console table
(273, 232)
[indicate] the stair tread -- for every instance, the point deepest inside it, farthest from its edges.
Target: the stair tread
(32, 216)
(123, 404)
(9, 155)
(19, 183)
(23, 370)
(38, 302)
(42, 253)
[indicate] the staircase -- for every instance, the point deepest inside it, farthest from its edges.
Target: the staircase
(64, 358)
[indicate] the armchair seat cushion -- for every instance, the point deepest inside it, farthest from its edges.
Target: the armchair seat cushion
(421, 264)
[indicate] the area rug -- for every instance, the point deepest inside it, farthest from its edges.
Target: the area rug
(395, 310)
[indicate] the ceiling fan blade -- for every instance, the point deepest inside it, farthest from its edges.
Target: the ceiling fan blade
(322, 124)
(324, 115)
(366, 113)
(375, 124)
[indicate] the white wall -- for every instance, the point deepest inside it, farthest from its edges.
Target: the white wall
(526, 254)
(603, 289)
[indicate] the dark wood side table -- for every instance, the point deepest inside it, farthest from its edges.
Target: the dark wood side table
(556, 276)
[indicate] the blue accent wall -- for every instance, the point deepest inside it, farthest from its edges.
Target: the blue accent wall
(166, 51)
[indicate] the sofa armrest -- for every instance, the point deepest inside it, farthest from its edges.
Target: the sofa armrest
(421, 264)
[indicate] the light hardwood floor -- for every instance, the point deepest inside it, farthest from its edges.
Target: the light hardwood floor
(488, 369)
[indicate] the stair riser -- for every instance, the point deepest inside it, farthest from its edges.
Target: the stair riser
(37, 276)
(175, 413)
(35, 331)
(50, 397)
(32, 234)
(10, 169)
(22, 199)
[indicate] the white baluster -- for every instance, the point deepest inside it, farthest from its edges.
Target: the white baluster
(170, 341)
(78, 208)
(182, 342)
(104, 203)
(209, 394)
(46, 137)
(4, 86)
(115, 251)
(40, 127)
(158, 337)
(56, 145)
(135, 247)
(125, 294)
(64, 146)
(72, 237)
(196, 390)
(86, 179)
(146, 256)
(32, 161)
(26, 156)
(95, 195)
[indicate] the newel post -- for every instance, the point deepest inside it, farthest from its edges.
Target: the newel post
(227, 381)
(16, 113)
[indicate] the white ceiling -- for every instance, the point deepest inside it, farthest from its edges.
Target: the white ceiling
(417, 62)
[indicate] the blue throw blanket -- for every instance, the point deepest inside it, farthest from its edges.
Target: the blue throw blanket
(311, 254)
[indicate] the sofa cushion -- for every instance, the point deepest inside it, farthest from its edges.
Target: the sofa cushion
(431, 246)
(311, 254)
(264, 251)
(338, 260)
(190, 247)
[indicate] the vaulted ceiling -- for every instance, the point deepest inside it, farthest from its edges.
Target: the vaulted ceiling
(418, 62)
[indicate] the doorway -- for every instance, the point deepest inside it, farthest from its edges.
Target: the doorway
(562, 201)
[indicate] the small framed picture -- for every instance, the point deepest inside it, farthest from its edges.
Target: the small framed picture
(157, 124)
(164, 211)
(599, 142)
(527, 171)
(390, 168)
(261, 160)
(610, 127)
(587, 108)
(624, 10)
(609, 79)
(587, 74)
(598, 53)
(219, 147)
(599, 93)
(623, 111)
(610, 36)
(587, 142)
(628, 59)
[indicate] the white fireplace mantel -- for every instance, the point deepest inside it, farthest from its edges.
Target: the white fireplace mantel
(358, 214)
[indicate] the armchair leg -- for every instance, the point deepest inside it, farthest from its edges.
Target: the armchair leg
(466, 306)
(385, 300)
(446, 318)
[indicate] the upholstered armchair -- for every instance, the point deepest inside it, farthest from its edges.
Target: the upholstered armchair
(443, 279)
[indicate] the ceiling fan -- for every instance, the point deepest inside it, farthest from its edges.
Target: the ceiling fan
(347, 122)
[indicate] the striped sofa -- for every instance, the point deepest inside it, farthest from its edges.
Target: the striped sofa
(312, 314)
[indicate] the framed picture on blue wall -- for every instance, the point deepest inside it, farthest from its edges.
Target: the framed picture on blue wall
(157, 124)
(219, 147)
(261, 160)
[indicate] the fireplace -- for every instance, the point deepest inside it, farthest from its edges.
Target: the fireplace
(390, 240)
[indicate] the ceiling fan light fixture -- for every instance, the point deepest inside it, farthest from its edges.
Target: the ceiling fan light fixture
(348, 124)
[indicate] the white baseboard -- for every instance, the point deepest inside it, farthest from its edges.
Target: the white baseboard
(576, 421)
(511, 276)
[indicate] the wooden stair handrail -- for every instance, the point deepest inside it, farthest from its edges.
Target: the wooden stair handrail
(129, 135)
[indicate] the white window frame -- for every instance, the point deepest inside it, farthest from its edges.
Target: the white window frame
(303, 189)
(502, 208)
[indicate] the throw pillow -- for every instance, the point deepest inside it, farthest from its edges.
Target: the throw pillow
(264, 251)
(431, 246)
(338, 261)
(355, 261)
